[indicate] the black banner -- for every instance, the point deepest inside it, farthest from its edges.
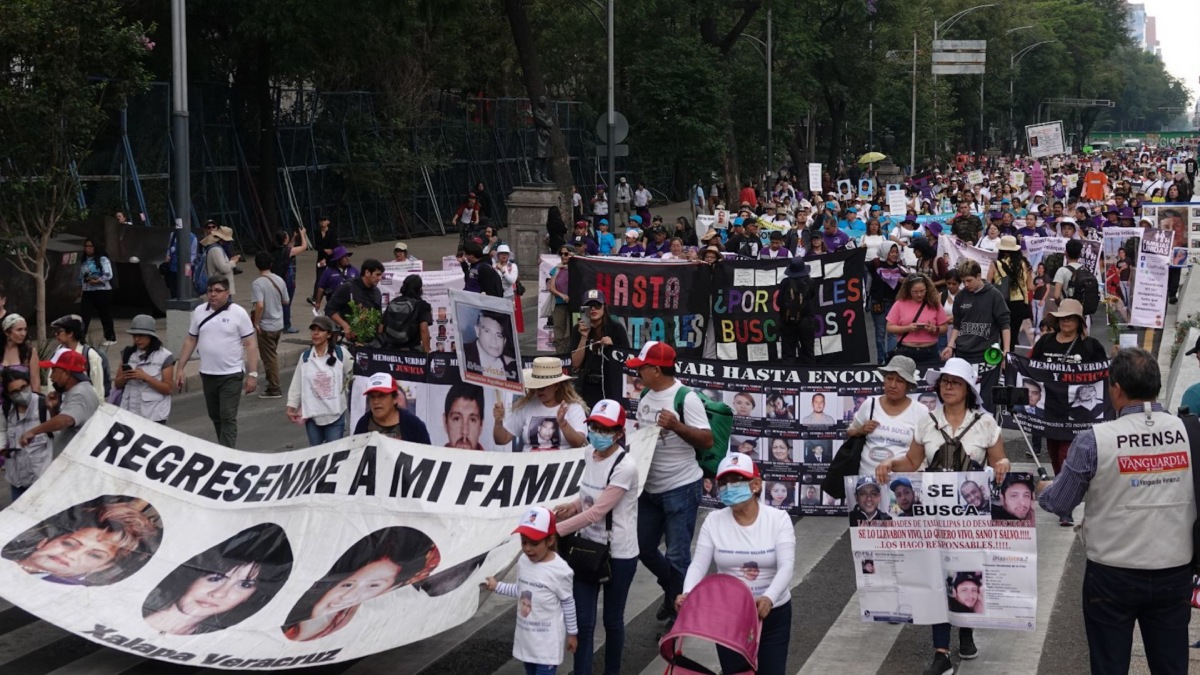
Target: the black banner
(1065, 397)
(661, 301)
(792, 420)
(841, 319)
(745, 309)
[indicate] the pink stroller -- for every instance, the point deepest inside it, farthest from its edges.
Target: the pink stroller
(721, 610)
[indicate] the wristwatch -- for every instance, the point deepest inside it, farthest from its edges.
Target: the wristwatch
(253, 373)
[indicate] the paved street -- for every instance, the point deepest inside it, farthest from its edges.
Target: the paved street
(827, 634)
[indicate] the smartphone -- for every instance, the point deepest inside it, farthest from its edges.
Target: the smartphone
(127, 368)
(586, 318)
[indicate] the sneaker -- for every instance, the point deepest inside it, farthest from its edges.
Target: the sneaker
(267, 394)
(291, 330)
(108, 343)
(940, 665)
(966, 646)
(309, 300)
(1066, 522)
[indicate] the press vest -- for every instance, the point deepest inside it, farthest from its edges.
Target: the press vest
(140, 398)
(1140, 505)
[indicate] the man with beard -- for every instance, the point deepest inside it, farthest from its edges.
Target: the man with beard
(866, 509)
(1016, 498)
(463, 416)
(385, 416)
(972, 495)
(905, 496)
(966, 225)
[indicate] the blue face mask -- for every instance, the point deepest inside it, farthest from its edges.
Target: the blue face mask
(601, 442)
(733, 494)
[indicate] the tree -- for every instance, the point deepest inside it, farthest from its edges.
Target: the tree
(68, 65)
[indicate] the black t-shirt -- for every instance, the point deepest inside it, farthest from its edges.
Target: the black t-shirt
(1089, 349)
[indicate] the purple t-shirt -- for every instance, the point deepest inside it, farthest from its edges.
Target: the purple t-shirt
(835, 241)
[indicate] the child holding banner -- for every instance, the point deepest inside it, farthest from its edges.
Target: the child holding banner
(546, 607)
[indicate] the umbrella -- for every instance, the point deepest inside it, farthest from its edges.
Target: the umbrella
(872, 157)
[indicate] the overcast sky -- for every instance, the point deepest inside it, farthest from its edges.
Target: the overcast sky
(1178, 28)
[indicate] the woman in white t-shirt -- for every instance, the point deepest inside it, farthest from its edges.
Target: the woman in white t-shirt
(756, 545)
(550, 416)
(889, 422)
(609, 486)
(961, 418)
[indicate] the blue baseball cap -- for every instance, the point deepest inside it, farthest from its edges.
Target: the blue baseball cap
(1006, 200)
(604, 221)
(636, 219)
(851, 210)
(876, 207)
(738, 222)
(831, 205)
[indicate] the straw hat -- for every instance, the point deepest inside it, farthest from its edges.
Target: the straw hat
(546, 371)
(1009, 243)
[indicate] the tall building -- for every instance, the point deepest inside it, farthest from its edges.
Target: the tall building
(1135, 23)
(1151, 43)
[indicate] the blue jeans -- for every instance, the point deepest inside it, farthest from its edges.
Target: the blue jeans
(1158, 600)
(317, 434)
(883, 341)
(540, 669)
(941, 635)
(673, 514)
(616, 592)
(772, 646)
(17, 492)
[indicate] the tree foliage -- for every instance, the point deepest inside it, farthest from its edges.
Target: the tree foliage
(67, 65)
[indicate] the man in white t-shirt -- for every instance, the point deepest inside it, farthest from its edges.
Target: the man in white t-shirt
(671, 499)
(221, 330)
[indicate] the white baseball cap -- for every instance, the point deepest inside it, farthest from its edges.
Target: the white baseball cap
(381, 382)
(537, 523)
(738, 463)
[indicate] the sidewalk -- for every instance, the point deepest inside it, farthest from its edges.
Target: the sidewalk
(428, 249)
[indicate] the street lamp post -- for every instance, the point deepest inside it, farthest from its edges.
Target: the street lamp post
(1013, 60)
(765, 53)
(179, 130)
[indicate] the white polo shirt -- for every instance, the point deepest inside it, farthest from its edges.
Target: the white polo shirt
(219, 343)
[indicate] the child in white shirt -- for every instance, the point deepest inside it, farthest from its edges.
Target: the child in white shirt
(545, 606)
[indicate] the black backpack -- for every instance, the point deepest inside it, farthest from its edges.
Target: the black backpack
(400, 322)
(103, 366)
(1085, 288)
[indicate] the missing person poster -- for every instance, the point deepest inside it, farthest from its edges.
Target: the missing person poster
(791, 419)
(1148, 307)
(486, 332)
(435, 289)
(410, 529)
(946, 547)
(954, 250)
(1066, 396)
(1045, 140)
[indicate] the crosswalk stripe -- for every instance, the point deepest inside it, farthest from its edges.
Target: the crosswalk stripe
(17, 643)
(840, 649)
(103, 662)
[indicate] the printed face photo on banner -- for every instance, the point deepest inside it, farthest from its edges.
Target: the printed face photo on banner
(489, 353)
(780, 406)
(1086, 401)
(746, 404)
(965, 592)
(905, 495)
(821, 450)
(94, 543)
(779, 450)
(747, 445)
(1174, 219)
(377, 564)
(222, 586)
(780, 494)
(820, 408)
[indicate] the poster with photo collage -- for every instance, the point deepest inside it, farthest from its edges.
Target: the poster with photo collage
(791, 419)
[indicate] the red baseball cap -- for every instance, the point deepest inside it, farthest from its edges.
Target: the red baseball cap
(537, 523)
(653, 353)
(737, 463)
(69, 360)
(608, 413)
(381, 382)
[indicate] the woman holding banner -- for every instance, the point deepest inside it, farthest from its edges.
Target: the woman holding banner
(600, 377)
(961, 420)
(1069, 343)
(605, 512)
(886, 272)
(889, 422)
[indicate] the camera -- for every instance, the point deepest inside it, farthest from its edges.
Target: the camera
(1010, 396)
